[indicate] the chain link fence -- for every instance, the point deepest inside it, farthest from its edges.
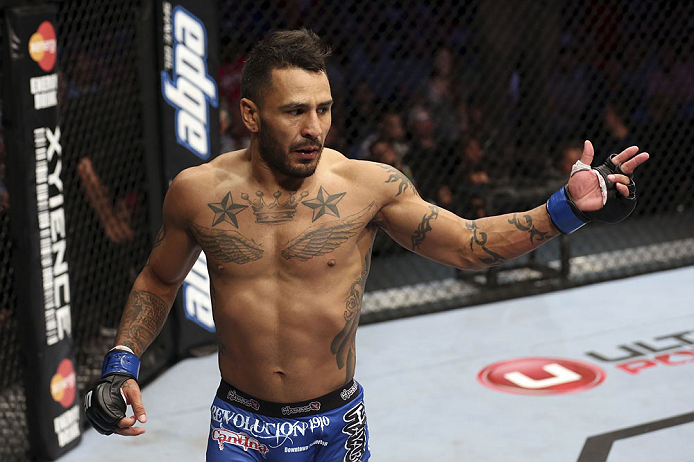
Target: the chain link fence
(104, 169)
(485, 105)
(106, 198)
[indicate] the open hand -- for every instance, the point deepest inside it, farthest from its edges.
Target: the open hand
(585, 187)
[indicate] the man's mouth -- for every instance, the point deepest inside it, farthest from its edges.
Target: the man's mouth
(308, 151)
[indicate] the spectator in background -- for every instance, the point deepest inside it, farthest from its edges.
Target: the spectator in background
(474, 178)
(556, 172)
(362, 115)
(233, 133)
(443, 90)
(567, 96)
(428, 156)
(115, 217)
(382, 151)
(616, 122)
(670, 85)
(226, 143)
(392, 129)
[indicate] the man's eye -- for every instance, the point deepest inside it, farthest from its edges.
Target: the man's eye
(295, 112)
(323, 110)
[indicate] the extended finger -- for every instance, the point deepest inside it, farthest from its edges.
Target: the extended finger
(133, 397)
(629, 166)
(625, 155)
(130, 431)
(619, 179)
(588, 153)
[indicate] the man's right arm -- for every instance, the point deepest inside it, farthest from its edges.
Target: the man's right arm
(173, 255)
(148, 305)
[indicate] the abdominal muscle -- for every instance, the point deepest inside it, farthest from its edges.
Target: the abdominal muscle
(275, 337)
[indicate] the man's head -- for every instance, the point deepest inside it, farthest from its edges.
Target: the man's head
(286, 101)
(300, 49)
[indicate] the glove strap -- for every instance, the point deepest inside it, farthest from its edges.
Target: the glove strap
(122, 362)
(561, 214)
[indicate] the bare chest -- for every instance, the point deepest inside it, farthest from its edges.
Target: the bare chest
(298, 232)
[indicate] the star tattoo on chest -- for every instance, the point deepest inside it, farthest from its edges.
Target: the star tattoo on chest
(226, 211)
(324, 203)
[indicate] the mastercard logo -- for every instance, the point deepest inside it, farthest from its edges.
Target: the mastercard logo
(42, 46)
(64, 384)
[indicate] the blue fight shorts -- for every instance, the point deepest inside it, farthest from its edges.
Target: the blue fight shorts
(327, 429)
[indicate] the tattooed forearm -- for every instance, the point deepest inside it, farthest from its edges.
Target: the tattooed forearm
(143, 318)
(324, 238)
(479, 240)
(227, 245)
(424, 227)
(525, 223)
(343, 345)
(396, 176)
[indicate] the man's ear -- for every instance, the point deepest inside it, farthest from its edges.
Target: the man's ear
(250, 115)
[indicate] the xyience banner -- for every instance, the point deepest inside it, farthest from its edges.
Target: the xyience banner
(39, 227)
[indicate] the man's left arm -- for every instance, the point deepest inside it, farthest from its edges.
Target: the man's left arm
(605, 193)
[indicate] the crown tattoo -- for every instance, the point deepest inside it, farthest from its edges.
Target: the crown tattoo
(275, 211)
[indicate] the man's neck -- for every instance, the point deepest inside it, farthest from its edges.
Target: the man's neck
(270, 179)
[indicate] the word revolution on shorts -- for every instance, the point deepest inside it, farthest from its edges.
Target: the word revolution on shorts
(280, 431)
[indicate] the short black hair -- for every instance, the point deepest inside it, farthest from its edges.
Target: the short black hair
(285, 49)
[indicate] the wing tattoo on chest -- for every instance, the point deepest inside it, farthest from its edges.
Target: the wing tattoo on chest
(326, 237)
(227, 245)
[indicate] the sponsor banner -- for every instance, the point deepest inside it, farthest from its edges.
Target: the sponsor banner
(541, 376)
(39, 227)
(641, 356)
(188, 63)
(551, 376)
(187, 49)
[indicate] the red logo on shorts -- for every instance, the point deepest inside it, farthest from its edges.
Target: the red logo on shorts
(541, 376)
(223, 436)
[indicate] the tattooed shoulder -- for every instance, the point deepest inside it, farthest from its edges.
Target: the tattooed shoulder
(399, 179)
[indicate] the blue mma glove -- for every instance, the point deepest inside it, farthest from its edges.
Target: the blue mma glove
(566, 215)
(105, 403)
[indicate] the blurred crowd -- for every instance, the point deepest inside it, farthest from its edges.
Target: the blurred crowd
(486, 108)
(483, 107)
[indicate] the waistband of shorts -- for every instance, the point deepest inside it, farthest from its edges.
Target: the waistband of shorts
(333, 400)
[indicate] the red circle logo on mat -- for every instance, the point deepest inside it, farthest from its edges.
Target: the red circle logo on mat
(42, 46)
(541, 376)
(64, 384)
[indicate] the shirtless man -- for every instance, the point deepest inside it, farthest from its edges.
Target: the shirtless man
(287, 226)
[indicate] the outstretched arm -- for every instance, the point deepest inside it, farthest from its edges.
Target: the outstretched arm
(474, 244)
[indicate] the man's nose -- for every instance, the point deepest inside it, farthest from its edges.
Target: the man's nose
(312, 127)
